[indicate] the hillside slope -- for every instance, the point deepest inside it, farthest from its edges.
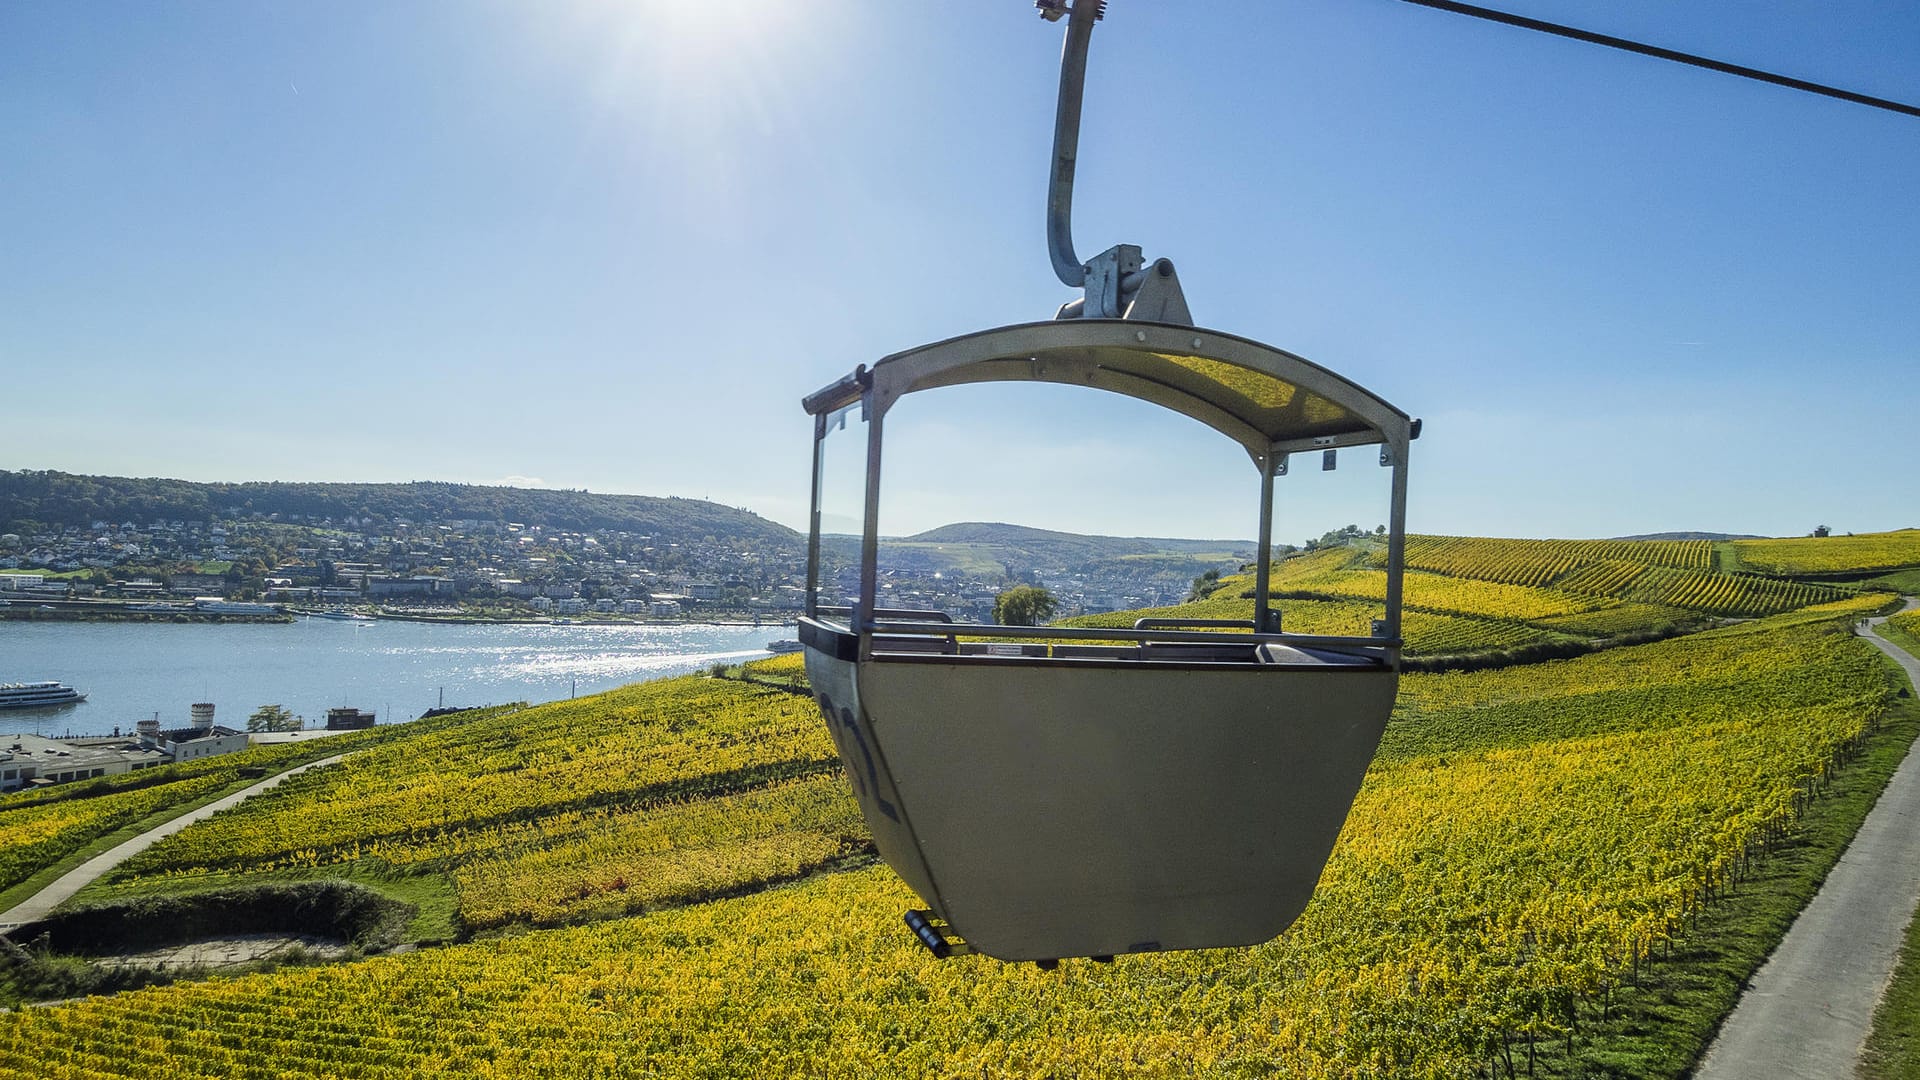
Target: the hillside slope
(58, 498)
(1529, 841)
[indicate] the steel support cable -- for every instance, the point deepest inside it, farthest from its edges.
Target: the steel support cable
(1655, 51)
(1066, 143)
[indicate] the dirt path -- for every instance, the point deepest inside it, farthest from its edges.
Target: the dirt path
(1806, 1013)
(39, 904)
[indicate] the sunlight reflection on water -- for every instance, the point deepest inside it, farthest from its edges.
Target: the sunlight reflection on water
(396, 668)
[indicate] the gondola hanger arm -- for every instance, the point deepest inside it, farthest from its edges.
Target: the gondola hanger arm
(1118, 283)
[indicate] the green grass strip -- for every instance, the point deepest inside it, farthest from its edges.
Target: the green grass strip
(1893, 1046)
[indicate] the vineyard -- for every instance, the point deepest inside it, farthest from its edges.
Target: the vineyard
(1581, 575)
(1831, 554)
(1538, 562)
(664, 792)
(674, 874)
(1619, 619)
(39, 828)
(1906, 623)
(39, 835)
(1726, 594)
(1528, 840)
(1437, 592)
(1425, 632)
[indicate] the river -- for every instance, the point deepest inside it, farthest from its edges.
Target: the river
(131, 671)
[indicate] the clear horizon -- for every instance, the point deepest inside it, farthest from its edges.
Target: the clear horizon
(609, 246)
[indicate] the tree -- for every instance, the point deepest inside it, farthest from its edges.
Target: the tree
(274, 718)
(1023, 605)
(1204, 586)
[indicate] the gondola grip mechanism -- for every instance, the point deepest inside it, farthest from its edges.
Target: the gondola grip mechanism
(1118, 283)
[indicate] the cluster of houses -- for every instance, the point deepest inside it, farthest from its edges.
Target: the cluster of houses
(437, 564)
(324, 562)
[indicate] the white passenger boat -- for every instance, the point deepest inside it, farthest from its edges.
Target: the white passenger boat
(37, 695)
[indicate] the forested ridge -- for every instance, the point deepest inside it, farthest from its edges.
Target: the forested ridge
(58, 498)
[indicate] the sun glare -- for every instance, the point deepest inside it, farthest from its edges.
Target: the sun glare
(715, 29)
(691, 36)
(697, 90)
(712, 67)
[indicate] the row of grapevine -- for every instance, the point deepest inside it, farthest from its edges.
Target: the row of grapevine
(1538, 562)
(1465, 596)
(1620, 618)
(1727, 594)
(36, 836)
(660, 793)
(1607, 577)
(1581, 603)
(786, 665)
(1491, 885)
(1431, 633)
(617, 863)
(1801, 660)
(1571, 573)
(1831, 554)
(40, 827)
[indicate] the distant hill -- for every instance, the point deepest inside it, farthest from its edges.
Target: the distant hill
(1690, 536)
(989, 549)
(57, 498)
(1021, 536)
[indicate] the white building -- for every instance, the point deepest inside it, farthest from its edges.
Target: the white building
(214, 605)
(203, 738)
(34, 759)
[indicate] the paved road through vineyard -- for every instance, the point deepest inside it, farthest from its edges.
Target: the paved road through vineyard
(1807, 1012)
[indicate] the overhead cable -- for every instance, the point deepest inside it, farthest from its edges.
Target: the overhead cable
(1659, 53)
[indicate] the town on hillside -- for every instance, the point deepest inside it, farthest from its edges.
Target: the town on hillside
(273, 565)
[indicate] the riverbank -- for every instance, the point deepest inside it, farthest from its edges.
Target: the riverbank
(597, 618)
(123, 612)
(392, 667)
(118, 611)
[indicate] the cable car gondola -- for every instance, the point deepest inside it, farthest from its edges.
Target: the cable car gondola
(1051, 793)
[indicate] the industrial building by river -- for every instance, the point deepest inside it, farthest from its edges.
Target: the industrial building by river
(36, 761)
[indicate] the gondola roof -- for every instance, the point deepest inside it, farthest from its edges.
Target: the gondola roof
(1264, 398)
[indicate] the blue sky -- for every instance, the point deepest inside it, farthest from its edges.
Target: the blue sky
(610, 245)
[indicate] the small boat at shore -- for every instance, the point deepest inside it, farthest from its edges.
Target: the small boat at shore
(785, 645)
(341, 614)
(38, 695)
